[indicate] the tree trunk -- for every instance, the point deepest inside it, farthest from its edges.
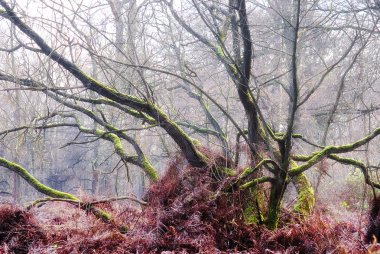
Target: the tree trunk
(276, 196)
(306, 199)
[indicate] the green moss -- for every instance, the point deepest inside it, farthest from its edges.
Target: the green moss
(116, 144)
(47, 190)
(219, 51)
(132, 112)
(149, 170)
(196, 142)
(176, 132)
(256, 181)
(222, 56)
(310, 161)
(253, 209)
(247, 171)
(110, 90)
(329, 151)
(250, 216)
(306, 199)
(223, 34)
(34, 182)
(273, 218)
(142, 162)
(226, 171)
(274, 207)
(233, 68)
(106, 217)
(115, 140)
(249, 184)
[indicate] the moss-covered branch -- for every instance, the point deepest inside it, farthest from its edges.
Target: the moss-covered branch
(249, 171)
(257, 181)
(105, 101)
(31, 180)
(199, 129)
(140, 160)
(356, 163)
(160, 118)
(79, 203)
(278, 136)
(87, 81)
(191, 153)
(315, 157)
(26, 127)
(43, 200)
(52, 193)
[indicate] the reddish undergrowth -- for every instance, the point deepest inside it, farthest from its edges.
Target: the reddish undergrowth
(186, 213)
(18, 230)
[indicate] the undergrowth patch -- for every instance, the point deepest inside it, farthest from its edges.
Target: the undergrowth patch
(188, 211)
(19, 231)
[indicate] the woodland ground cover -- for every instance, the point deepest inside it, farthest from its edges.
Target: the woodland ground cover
(185, 213)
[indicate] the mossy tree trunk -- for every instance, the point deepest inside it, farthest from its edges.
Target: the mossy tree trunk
(276, 195)
(306, 196)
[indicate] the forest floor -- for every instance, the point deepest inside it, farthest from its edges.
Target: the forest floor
(62, 228)
(180, 217)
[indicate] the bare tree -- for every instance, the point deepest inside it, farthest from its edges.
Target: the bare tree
(198, 50)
